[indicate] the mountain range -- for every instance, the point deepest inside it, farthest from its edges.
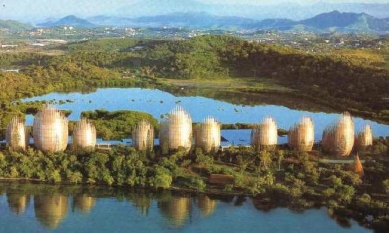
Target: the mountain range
(325, 22)
(331, 21)
(288, 10)
(39, 10)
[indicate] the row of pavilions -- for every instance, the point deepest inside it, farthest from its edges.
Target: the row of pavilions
(50, 133)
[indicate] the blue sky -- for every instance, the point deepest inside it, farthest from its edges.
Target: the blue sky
(33, 10)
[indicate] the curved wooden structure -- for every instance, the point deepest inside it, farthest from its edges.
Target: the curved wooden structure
(208, 134)
(50, 130)
(264, 135)
(358, 168)
(302, 135)
(176, 130)
(338, 138)
(143, 136)
(84, 135)
(16, 134)
(364, 138)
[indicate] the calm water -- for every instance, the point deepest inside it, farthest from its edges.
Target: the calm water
(42, 208)
(157, 103)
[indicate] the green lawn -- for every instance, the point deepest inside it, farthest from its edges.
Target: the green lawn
(228, 83)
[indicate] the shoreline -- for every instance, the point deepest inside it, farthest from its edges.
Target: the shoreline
(213, 191)
(279, 97)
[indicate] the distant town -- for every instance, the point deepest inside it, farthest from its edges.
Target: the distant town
(42, 39)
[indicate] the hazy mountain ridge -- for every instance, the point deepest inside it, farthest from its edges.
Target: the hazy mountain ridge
(70, 20)
(331, 21)
(292, 11)
(14, 25)
(347, 22)
(334, 20)
(259, 10)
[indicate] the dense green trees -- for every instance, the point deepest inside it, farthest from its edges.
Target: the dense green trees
(10, 60)
(122, 167)
(117, 125)
(102, 45)
(319, 76)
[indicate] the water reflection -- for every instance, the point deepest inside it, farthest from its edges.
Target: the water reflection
(342, 221)
(18, 202)
(175, 208)
(206, 205)
(84, 203)
(50, 209)
(142, 200)
(95, 208)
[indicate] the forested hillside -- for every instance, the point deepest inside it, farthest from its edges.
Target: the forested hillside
(332, 79)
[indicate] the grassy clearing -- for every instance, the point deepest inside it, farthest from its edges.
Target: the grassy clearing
(51, 50)
(386, 64)
(361, 57)
(228, 83)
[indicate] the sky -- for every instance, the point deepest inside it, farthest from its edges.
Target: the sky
(32, 10)
(259, 2)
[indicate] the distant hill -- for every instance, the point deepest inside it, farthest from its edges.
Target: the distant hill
(332, 19)
(14, 25)
(347, 22)
(70, 20)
